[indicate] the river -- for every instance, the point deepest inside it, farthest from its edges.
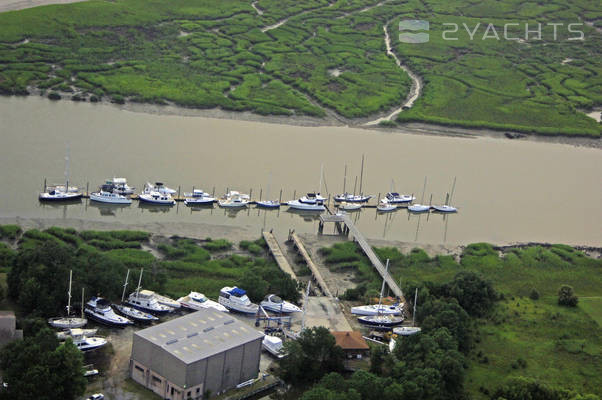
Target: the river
(507, 191)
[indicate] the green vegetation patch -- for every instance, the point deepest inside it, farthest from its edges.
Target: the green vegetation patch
(593, 307)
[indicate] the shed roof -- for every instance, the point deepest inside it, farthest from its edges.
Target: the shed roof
(350, 340)
(199, 335)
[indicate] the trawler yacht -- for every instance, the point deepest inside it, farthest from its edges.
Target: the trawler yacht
(100, 310)
(236, 299)
(198, 301)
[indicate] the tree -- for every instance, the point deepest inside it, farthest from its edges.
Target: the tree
(311, 356)
(566, 296)
(38, 367)
(521, 388)
(473, 293)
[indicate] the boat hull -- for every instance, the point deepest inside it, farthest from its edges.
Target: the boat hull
(109, 322)
(149, 200)
(267, 204)
(67, 323)
(380, 321)
(445, 209)
(46, 197)
(352, 199)
(110, 200)
(417, 208)
(297, 205)
(136, 315)
(375, 310)
(148, 310)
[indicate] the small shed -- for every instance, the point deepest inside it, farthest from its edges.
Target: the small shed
(352, 343)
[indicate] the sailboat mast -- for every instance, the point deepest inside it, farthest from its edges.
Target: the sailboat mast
(362, 174)
(67, 170)
(345, 179)
(355, 185)
(321, 176)
(82, 301)
(139, 282)
(423, 190)
(125, 285)
(69, 293)
(305, 300)
(382, 289)
(414, 313)
(452, 192)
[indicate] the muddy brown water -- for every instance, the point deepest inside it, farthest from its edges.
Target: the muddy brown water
(507, 191)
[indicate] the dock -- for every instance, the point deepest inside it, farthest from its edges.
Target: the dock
(349, 227)
(277, 253)
(310, 264)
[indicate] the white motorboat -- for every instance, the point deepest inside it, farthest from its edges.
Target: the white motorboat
(352, 198)
(69, 322)
(135, 314)
(347, 206)
(158, 187)
(406, 330)
(198, 301)
(120, 186)
(385, 206)
(396, 198)
(309, 202)
(109, 197)
(86, 343)
(145, 300)
(67, 333)
(234, 199)
(268, 203)
(198, 198)
(166, 301)
(273, 345)
(100, 310)
(274, 303)
(158, 198)
(236, 299)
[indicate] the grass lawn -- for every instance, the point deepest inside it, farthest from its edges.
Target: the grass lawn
(593, 307)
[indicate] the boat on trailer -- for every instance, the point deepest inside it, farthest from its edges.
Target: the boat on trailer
(274, 303)
(198, 301)
(100, 310)
(236, 299)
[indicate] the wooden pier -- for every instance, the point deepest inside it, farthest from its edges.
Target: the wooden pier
(347, 226)
(277, 253)
(310, 264)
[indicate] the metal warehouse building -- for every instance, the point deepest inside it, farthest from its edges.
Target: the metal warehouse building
(185, 357)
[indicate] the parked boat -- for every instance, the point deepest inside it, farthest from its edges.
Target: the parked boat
(59, 192)
(157, 198)
(236, 299)
(273, 345)
(120, 186)
(198, 301)
(396, 198)
(198, 198)
(109, 197)
(100, 310)
(67, 333)
(86, 343)
(385, 206)
(268, 204)
(352, 198)
(135, 314)
(145, 300)
(234, 199)
(158, 187)
(379, 309)
(309, 202)
(274, 303)
(381, 321)
(167, 301)
(447, 208)
(349, 206)
(420, 208)
(406, 330)
(69, 322)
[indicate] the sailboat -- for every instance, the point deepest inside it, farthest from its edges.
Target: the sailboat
(60, 192)
(381, 320)
(312, 201)
(420, 208)
(409, 330)
(353, 198)
(447, 208)
(131, 312)
(379, 309)
(268, 203)
(69, 322)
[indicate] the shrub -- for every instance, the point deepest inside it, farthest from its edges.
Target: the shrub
(217, 245)
(54, 96)
(534, 295)
(566, 297)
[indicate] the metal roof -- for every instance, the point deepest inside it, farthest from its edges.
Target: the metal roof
(200, 335)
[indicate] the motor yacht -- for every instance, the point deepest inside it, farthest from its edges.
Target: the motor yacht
(234, 199)
(86, 343)
(396, 198)
(157, 198)
(309, 202)
(274, 303)
(236, 299)
(198, 198)
(273, 345)
(145, 300)
(198, 301)
(120, 186)
(158, 187)
(109, 197)
(100, 310)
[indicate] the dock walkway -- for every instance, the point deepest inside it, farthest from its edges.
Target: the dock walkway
(277, 253)
(310, 264)
(366, 248)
